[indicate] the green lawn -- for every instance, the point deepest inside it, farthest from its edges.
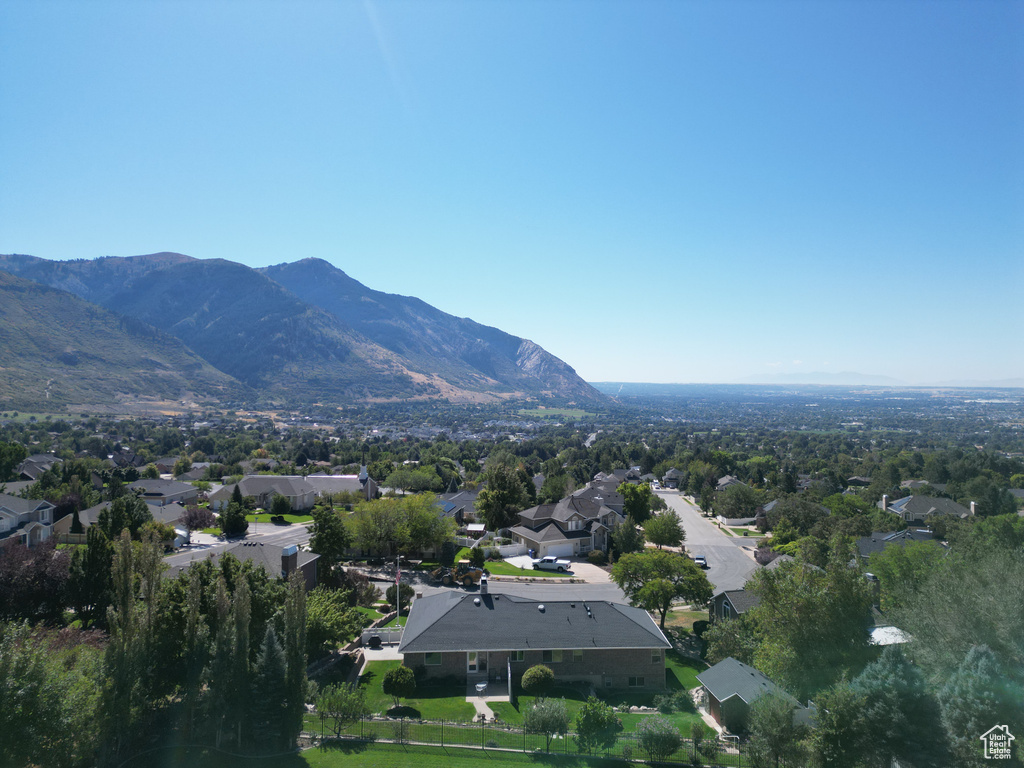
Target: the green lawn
(265, 518)
(680, 673)
(501, 568)
(398, 621)
(745, 532)
(433, 703)
(365, 755)
(370, 613)
(213, 531)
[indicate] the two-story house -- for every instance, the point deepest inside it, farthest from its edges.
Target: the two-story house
(571, 527)
(24, 521)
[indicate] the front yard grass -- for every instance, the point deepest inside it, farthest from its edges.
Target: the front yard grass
(684, 620)
(503, 568)
(264, 517)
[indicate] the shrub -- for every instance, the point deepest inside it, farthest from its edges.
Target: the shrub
(537, 680)
(476, 557)
(597, 557)
(658, 737)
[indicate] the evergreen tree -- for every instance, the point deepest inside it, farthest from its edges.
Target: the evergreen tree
(239, 676)
(978, 696)
(901, 717)
(89, 584)
(295, 657)
(269, 720)
(233, 522)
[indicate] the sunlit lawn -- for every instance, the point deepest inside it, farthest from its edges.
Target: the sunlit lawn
(429, 703)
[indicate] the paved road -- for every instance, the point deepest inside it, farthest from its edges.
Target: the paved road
(731, 565)
(268, 533)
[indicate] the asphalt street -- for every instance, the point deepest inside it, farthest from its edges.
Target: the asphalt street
(730, 564)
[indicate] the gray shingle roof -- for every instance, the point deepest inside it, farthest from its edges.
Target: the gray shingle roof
(268, 556)
(879, 540)
(741, 599)
(730, 677)
(452, 621)
(21, 506)
(921, 507)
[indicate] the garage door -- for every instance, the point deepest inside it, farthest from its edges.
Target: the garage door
(560, 550)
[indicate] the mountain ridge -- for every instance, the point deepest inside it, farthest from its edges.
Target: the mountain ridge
(295, 339)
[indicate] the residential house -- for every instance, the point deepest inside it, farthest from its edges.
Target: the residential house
(328, 485)
(483, 636)
(278, 562)
(917, 510)
(35, 465)
(300, 493)
(24, 521)
(727, 481)
(732, 687)
(162, 492)
(570, 527)
(672, 478)
(168, 514)
(460, 506)
(731, 604)
(879, 540)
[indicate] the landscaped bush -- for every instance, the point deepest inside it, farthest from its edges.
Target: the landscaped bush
(537, 680)
(476, 557)
(676, 701)
(597, 557)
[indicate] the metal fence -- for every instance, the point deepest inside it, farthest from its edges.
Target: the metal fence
(445, 733)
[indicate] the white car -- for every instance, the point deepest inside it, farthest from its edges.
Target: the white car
(551, 564)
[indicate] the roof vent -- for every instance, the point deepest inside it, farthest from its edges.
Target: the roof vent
(541, 607)
(476, 601)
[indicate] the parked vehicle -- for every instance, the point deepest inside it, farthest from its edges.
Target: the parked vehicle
(551, 563)
(701, 561)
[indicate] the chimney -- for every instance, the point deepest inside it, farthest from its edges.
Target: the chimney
(483, 585)
(972, 509)
(885, 501)
(289, 560)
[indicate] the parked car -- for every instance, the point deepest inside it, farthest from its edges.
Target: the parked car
(701, 561)
(550, 563)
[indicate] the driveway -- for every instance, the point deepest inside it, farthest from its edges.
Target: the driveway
(730, 563)
(580, 568)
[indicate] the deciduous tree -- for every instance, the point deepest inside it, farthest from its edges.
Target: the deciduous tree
(549, 717)
(665, 530)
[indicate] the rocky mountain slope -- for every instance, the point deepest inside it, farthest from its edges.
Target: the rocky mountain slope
(57, 349)
(306, 332)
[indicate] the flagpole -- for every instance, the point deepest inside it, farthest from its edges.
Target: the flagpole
(398, 592)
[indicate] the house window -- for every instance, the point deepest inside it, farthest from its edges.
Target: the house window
(636, 682)
(577, 655)
(552, 657)
(607, 682)
(517, 656)
(432, 659)
(655, 655)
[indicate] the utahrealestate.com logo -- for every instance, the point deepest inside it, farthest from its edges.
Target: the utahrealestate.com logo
(998, 743)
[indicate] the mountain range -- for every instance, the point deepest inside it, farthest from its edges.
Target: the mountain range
(213, 329)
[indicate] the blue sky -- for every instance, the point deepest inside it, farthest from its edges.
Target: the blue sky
(653, 191)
